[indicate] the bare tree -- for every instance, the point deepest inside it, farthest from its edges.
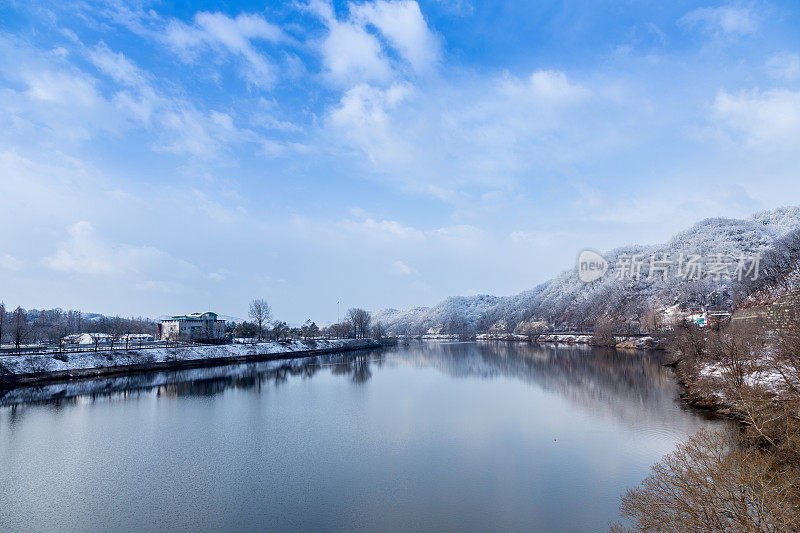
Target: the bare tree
(74, 321)
(378, 331)
(96, 339)
(260, 313)
(711, 483)
(652, 320)
(3, 321)
(20, 329)
(360, 320)
(604, 330)
(59, 332)
(114, 328)
(41, 327)
(279, 329)
(340, 330)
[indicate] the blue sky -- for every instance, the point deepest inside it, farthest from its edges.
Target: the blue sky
(166, 157)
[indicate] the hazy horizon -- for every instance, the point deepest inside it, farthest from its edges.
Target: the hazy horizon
(160, 160)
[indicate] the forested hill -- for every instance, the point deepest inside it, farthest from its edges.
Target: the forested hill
(567, 302)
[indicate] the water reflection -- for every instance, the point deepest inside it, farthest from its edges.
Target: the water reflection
(605, 381)
(454, 436)
(199, 381)
(617, 383)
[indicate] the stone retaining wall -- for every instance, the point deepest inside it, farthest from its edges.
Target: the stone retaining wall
(779, 316)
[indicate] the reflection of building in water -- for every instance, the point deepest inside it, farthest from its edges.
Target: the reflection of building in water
(192, 327)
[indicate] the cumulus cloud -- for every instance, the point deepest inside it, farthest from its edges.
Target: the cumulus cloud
(350, 54)
(376, 41)
(762, 119)
(452, 137)
(83, 252)
(402, 24)
(363, 117)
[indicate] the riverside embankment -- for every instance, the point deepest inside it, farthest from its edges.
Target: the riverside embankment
(18, 370)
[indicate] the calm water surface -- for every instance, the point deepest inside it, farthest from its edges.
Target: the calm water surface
(459, 436)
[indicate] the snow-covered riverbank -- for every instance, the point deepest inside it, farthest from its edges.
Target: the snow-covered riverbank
(35, 368)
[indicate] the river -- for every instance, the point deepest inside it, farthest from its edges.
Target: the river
(430, 436)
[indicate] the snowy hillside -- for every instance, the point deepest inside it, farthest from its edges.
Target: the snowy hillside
(566, 301)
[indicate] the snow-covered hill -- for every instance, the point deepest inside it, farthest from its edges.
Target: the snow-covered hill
(568, 302)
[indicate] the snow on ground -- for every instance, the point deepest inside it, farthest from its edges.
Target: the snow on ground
(148, 380)
(35, 364)
(565, 339)
(765, 377)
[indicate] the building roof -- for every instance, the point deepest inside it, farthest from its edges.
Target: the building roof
(208, 315)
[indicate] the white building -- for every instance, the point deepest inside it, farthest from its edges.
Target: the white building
(87, 338)
(194, 326)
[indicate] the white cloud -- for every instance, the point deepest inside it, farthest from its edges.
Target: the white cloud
(55, 101)
(399, 268)
(784, 66)
(219, 275)
(466, 137)
(220, 32)
(83, 252)
(353, 53)
(363, 116)
(547, 87)
(350, 54)
(116, 65)
(383, 229)
(729, 21)
(9, 262)
(763, 119)
(45, 99)
(60, 87)
(403, 25)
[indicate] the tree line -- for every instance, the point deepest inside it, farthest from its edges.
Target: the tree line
(261, 326)
(19, 326)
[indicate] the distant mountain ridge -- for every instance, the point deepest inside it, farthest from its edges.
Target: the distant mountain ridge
(565, 301)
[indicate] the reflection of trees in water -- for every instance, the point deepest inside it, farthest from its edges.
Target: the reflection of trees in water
(201, 381)
(358, 367)
(628, 385)
(553, 367)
